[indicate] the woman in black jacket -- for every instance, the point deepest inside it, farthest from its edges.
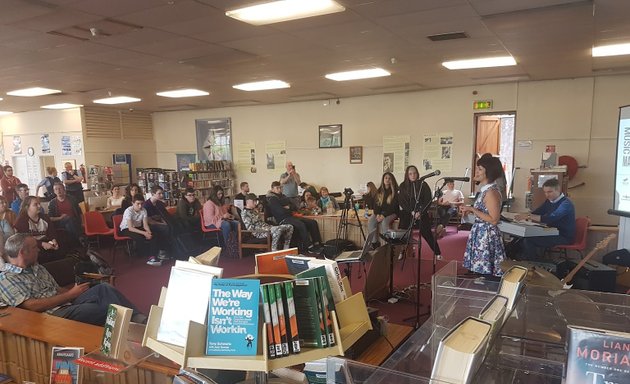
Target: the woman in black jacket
(385, 205)
(413, 190)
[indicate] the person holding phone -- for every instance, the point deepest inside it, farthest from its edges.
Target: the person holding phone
(290, 181)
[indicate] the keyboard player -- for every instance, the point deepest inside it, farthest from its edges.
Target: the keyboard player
(557, 211)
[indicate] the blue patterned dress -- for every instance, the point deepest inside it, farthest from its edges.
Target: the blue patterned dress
(484, 250)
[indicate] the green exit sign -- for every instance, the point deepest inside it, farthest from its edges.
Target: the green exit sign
(482, 104)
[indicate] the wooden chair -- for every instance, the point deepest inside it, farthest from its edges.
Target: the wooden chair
(579, 244)
(247, 240)
(95, 225)
(117, 219)
(83, 206)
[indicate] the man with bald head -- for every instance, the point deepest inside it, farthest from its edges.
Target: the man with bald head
(290, 181)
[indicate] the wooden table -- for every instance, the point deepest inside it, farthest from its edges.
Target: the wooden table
(380, 350)
(27, 338)
(329, 224)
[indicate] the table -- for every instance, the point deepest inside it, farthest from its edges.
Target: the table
(329, 224)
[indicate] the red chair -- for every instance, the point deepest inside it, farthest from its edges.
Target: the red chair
(117, 219)
(171, 209)
(95, 225)
(579, 244)
(215, 231)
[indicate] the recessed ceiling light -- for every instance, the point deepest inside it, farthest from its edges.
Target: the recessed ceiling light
(31, 92)
(61, 106)
(502, 61)
(284, 10)
(356, 75)
(611, 50)
(183, 93)
(262, 85)
(117, 100)
(2, 113)
(1, 99)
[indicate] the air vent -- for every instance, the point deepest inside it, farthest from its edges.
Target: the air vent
(448, 36)
(239, 103)
(314, 96)
(180, 107)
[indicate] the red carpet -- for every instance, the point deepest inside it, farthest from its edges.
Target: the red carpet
(141, 283)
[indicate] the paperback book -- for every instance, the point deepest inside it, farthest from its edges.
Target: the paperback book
(597, 356)
(64, 369)
(233, 317)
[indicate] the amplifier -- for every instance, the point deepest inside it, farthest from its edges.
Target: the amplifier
(593, 276)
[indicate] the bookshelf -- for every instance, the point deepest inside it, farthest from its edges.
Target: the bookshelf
(203, 176)
(353, 323)
(165, 178)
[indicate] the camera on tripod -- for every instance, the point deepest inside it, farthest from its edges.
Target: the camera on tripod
(348, 192)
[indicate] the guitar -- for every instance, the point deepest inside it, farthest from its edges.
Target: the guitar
(598, 247)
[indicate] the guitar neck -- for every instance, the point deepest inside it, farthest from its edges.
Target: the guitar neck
(601, 245)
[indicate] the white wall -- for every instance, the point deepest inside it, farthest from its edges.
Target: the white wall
(579, 116)
(31, 125)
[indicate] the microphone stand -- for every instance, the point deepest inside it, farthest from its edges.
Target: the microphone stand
(415, 220)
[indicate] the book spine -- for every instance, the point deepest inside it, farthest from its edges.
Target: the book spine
(329, 307)
(292, 327)
(271, 347)
(281, 319)
(274, 320)
(307, 313)
(320, 291)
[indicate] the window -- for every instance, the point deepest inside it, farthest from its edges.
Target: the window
(214, 139)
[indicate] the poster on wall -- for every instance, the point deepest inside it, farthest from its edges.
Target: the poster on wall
(45, 141)
(66, 147)
(184, 160)
(437, 152)
(33, 170)
(246, 157)
(395, 154)
(77, 145)
(276, 153)
(17, 145)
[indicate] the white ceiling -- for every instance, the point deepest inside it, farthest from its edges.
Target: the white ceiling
(146, 46)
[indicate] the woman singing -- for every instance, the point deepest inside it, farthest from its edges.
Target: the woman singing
(484, 250)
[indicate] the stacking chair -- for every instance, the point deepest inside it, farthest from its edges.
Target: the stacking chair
(117, 219)
(95, 225)
(212, 231)
(579, 244)
(247, 240)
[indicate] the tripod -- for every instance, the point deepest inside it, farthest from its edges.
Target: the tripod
(342, 229)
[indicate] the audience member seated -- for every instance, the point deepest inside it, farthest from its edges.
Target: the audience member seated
(370, 196)
(131, 190)
(282, 208)
(9, 183)
(32, 221)
(385, 206)
(216, 214)
(135, 224)
(161, 222)
(115, 200)
(188, 209)
(24, 283)
(448, 205)
(557, 211)
(64, 211)
(7, 223)
(22, 192)
(304, 187)
(48, 182)
(306, 194)
(73, 182)
(327, 203)
(253, 222)
(310, 206)
(239, 199)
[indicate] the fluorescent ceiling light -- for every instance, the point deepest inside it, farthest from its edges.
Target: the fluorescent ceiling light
(31, 92)
(1, 99)
(2, 113)
(360, 74)
(61, 106)
(262, 85)
(611, 50)
(502, 61)
(117, 100)
(284, 10)
(183, 93)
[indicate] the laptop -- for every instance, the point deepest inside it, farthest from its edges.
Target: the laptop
(352, 256)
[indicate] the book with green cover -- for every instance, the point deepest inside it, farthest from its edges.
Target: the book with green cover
(291, 320)
(326, 323)
(273, 306)
(115, 330)
(307, 313)
(329, 304)
(284, 342)
(271, 346)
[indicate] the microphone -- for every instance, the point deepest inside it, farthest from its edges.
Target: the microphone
(434, 173)
(465, 179)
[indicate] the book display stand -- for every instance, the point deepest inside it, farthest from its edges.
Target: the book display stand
(353, 322)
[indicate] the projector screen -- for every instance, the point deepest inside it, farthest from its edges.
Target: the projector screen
(622, 168)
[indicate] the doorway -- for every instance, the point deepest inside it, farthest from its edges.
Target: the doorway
(494, 133)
